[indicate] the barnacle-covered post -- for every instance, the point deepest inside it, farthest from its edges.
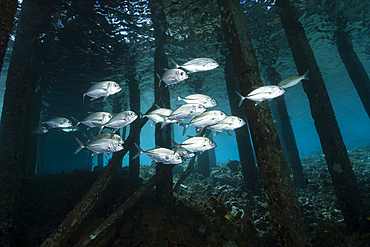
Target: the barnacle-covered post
(14, 120)
(282, 202)
(246, 154)
(336, 155)
(162, 97)
(280, 113)
(203, 160)
(7, 13)
(354, 67)
(134, 164)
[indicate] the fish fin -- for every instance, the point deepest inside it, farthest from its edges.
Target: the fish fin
(80, 147)
(199, 130)
(229, 132)
(174, 63)
(100, 130)
(305, 76)
(178, 98)
(87, 138)
(242, 98)
(76, 120)
(83, 99)
(140, 151)
(160, 79)
(95, 153)
(176, 145)
(185, 127)
(115, 130)
(105, 97)
(158, 107)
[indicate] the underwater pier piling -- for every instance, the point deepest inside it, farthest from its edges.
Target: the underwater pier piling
(355, 69)
(8, 8)
(336, 156)
(20, 85)
(285, 214)
(245, 148)
(75, 217)
(289, 145)
(162, 98)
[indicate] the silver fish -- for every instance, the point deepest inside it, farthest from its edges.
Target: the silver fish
(198, 64)
(172, 76)
(187, 111)
(100, 146)
(293, 80)
(228, 124)
(121, 119)
(58, 122)
(205, 100)
(70, 129)
(263, 93)
(105, 136)
(185, 154)
(158, 116)
(96, 119)
(102, 89)
(40, 130)
(163, 155)
(206, 119)
(197, 144)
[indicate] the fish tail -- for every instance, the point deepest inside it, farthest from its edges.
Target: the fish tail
(80, 147)
(241, 98)
(178, 98)
(174, 63)
(305, 76)
(140, 151)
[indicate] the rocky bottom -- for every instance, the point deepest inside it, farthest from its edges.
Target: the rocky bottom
(214, 211)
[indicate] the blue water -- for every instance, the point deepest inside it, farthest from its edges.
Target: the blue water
(188, 37)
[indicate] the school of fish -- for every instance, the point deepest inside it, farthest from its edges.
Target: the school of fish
(195, 111)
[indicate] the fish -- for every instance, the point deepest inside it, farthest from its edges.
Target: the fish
(198, 64)
(159, 116)
(263, 93)
(185, 154)
(102, 89)
(186, 111)
(120, 120)
(69, 129)
(172, 76)
(205, 119)
(58, 122)
(205, 100)
(197, 144)
(95, 119)
(105, 136)
(103, 145)
(40, 130)
(162, 155)
(228, 124)
(293, 80)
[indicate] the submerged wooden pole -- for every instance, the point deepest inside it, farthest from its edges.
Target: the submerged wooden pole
(285, 215)
(15, 116)
(246, 153)
(354, 67)
(287, 136)
(162, 98)
(75, 217)
(336, 155)
(8, 9)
